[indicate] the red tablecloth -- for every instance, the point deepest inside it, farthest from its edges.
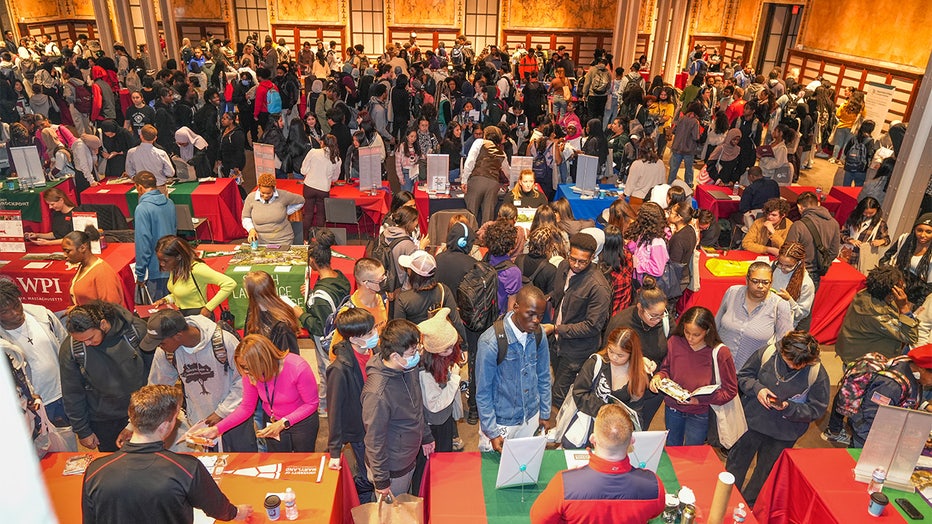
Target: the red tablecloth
(719, 208)
(50, 286)
(375, 206)
(835, 293)
(427, 206)
(848, 196)
(329, 501)
(679, 81)
(817, 485)
(791, 193)
(45, 225)
(218, 202)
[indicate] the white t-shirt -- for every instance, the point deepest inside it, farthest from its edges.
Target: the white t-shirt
(42, 357)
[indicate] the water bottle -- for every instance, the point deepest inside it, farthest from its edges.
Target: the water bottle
(819, 194)
(877, 479)
(291, 509)
(740, 514)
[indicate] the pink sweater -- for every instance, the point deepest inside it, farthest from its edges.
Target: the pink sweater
(294, 392)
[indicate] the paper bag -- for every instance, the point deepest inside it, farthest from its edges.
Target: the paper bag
(405, 509)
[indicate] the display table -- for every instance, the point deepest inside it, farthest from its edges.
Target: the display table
(462, 485)
(791, 193)
(374, 206)
(719, 208)
(329, 501)
(835, 293)
(588, 208)
(817, 485)
(428, 204)
(36, 214)
(48, 282)
(848, 196)
(288, 277)
(219, 202)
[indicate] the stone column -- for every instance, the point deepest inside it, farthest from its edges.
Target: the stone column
(675, 42)
(172, 42)
(104, 29)
(151, 30)
(124, 19)
(624, 42)
(660, 37)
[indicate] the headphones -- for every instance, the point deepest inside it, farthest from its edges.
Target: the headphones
(461, 242)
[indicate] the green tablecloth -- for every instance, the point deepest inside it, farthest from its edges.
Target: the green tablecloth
(179, 193)
(29, 202)
(894, 494)
(288, 278)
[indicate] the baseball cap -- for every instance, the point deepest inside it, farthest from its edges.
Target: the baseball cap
(421, 262)
(163, 324)
(922, 356)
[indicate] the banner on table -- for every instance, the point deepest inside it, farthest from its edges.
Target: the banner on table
(288, 281)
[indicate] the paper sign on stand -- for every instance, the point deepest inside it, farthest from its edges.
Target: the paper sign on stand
(438, 173)
(264, 155)
(12, 238)
(370, 168)
(895, 441)
(877, 100)
(80, 220)
(587, 167)
(28, 166)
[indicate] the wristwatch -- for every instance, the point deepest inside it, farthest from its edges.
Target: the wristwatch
(286, 423)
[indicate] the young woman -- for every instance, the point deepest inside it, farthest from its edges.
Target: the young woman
(683, 241)
(645, 173)
(544, 243)
(723, 161)
(321, 167)
(232, 146)
(452, 146)
(912, 254)
(61, 207)
(792, 282)
(772, 164)
(646, 241)
(189, 277)
(440, 378)
(663, 110)
(716, 136)
(848, 114)
(621, 376)
(560, 91)
(94, 279)
(689, 363)
(617, 267)
(296, 149)
(620, 215)
(865, 227)
(596, 144)
(424, 294)
(856, 172)
(547, 150)
(312, 130)
(117, 141)
(525, 193)
(269, 315)
(407, 158)
(287, 388)
(266, 211)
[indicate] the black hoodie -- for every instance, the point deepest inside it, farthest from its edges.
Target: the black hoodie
(455, 262)
(344, 390)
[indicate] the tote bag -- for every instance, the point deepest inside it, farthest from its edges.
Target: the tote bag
(572, 423)
(729, 416)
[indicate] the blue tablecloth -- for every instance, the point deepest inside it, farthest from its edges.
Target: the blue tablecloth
(585, 209)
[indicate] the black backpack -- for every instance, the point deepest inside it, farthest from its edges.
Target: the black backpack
(216, 344)
(502, 340)
(382, 251)
(477, 297)
(79, 351)
(823, 258)
(856, 157)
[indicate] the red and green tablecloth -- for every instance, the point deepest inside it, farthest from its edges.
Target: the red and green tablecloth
(462, 485)
(817, 485)
(36, 215)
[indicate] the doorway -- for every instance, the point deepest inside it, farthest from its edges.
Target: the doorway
(780, 29)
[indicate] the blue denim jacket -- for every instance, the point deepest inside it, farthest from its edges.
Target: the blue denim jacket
(511, 393)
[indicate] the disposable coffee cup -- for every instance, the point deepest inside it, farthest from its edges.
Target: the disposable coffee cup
(877, 504)
(273, 506)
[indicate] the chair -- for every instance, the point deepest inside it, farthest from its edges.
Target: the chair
(186, 222)
(342, 211)
(298, 229)
(439, 224)
(340, 234)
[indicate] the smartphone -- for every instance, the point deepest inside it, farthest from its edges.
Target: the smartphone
(909, 509)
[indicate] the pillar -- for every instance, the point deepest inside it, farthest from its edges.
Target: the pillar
(660, 36)
(151, 30)
(914, 164)
(170, 28)
(626, 32)
(104, 29)
(675, 42)
(124, 18)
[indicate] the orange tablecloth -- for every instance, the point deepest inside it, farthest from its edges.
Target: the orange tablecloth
(50, 286)
(375, 206)
(835, 293)
(848, 196)
(330, 501)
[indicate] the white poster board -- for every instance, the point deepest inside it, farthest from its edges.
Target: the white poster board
(370, 168)
(264, 155)
(28, 166)
(587, 175)
(80, 220)
(877, 99)
(521, 461)
(438, 173)
(12, 236)
(894, 443)
(518, 164)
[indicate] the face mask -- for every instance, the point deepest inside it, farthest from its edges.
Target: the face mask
(245, 82)
(371, 342)
(916, 374)
(412, 361)
(416, 234)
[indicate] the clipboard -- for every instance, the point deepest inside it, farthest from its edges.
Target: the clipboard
(521, 461)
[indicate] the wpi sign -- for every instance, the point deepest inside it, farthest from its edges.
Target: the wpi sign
(33, 286)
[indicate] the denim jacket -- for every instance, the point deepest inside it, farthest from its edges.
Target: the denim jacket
(511, 393)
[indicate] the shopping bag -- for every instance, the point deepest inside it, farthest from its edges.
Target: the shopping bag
(729, 417)
(141, 297)
(60, 439)
(572, 423)
(404, 509)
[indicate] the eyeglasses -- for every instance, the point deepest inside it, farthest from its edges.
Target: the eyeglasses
(377, 280)
(788, 268)
(759, 281)
(651, 316)
(580, 261)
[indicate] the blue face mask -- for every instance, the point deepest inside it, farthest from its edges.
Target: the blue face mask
(412, 361)
(371, 342)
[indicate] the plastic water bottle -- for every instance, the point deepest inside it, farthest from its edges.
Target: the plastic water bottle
(819, 194)
(291, 509)
(740, 514)
(878, 477)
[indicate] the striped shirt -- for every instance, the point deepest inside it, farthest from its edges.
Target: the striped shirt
(743, 331)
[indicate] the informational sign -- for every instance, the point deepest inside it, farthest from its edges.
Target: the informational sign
(80, 220)
(878, 98)
(438, 173)
(28, 166)
(265, 159)
(370, 168)
(12, 237)
(525, 217)
(587, 175)
(895, 441)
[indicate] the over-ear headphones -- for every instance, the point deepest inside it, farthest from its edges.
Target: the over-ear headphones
(461, 242)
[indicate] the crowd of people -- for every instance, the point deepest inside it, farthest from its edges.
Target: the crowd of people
(556, 324)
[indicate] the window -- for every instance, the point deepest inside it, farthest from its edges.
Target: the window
(481, 23)
(367, 25)
(251, 16)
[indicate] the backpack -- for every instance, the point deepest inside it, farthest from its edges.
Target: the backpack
(288, 92)
(858, 376)
(856, 157)
(507, 263)
(330, 324)
(477, 297)
(540, 167)
(502, 340)
(28, 68)
(216, 344)
(600, 83)
(823, 258)
(273, 101)
(83, 99)
(383, 252)
(456, 56)
(79, 351)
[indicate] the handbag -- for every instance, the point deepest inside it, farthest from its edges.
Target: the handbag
(729, 417)
(141, 296)
(60, 439)
(671, 281)
(404, 509)
(225, 314)
(573, 425)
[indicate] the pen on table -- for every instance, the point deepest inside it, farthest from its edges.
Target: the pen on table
(320, 470)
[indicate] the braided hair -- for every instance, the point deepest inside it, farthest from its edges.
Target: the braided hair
(796, 251)
(905, 253)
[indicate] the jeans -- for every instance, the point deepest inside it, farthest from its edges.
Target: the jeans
(454, 175)
(675, 160)
(323, 359)
(842, 136)
(611, 111)
(685, 429)
(857, 178)
(56, 413)
(406, 183)
(363, 486)
(767, 449)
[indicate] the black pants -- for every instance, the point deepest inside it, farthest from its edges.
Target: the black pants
(472, 340)
(596, 106)
(314, 211)
(564, 375)
(300, 437)
(241, 439)
(766, 448)
(482, 194)
(443, 434)
(107, 432)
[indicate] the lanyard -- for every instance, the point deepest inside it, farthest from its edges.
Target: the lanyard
(271, 398)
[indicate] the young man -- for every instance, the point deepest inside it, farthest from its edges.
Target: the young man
(393, 411)
(146, 483)
(818, 219)
(608, 489)
(155, 217)
(369, 275)
(146, 157)
(513, 396)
